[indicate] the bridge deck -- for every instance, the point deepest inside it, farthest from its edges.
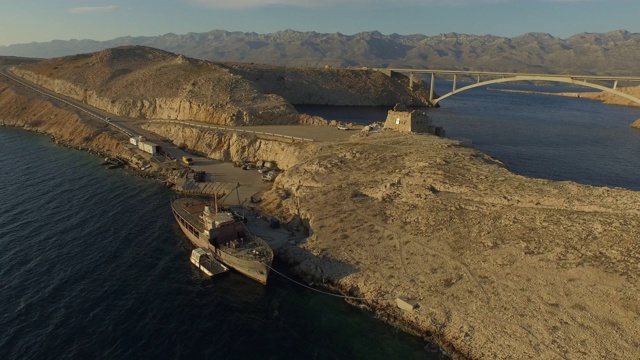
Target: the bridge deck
(607, 83)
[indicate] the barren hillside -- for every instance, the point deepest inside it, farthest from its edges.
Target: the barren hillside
(147, 83)
(12, 60)
(333, 86)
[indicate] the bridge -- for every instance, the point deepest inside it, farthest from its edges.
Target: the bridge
(484, 78)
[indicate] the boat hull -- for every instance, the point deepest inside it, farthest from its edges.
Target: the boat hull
(256, 270)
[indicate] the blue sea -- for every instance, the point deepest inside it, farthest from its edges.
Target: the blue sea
(93, 265)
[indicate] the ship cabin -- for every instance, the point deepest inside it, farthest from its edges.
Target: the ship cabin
(221, 228)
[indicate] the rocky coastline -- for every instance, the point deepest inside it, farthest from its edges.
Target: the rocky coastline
(604, 97)
(502, 266)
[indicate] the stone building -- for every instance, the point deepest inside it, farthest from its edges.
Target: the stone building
(417, 121)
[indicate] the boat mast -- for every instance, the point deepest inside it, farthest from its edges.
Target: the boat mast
(238, 195)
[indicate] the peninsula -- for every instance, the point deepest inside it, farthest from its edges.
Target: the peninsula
(496, 265)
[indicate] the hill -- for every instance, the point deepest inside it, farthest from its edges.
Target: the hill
(611, 53)
(147, 83)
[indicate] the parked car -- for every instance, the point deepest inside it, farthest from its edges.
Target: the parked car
(270, 176)
(187, 160)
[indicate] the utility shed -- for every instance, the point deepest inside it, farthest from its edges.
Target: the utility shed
(149, 147)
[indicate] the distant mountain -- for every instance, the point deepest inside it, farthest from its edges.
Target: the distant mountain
(611, 53)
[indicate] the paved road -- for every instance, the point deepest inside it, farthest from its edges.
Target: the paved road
(219, 172)
(130, 126)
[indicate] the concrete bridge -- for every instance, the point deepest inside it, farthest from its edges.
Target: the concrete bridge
(484, 78)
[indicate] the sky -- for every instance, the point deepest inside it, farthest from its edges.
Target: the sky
(24, 21)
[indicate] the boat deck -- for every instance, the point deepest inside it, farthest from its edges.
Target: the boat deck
(249, 254)
(213, 266)
(252, 250)
(190, 209)
(203, 259)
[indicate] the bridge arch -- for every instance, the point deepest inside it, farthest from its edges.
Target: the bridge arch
(567, 80)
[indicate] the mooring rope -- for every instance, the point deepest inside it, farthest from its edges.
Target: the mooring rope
(325, 292)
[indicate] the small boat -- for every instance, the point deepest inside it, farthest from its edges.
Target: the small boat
(203, 260)
(224, 236)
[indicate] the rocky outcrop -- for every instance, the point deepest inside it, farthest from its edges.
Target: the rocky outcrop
(232, 101)
(636, 124)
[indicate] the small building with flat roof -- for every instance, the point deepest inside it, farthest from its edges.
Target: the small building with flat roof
(416, 121)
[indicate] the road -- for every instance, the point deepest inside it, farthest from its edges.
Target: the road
(218, 172)
(131, 126)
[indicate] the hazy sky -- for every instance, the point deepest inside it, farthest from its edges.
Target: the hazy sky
(25, 21)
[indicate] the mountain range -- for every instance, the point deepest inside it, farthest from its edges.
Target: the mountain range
(612, 53)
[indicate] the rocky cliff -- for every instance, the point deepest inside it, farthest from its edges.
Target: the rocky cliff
(148, 83)
(334, 86)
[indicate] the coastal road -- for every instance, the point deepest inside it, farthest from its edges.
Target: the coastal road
(131, 126)
(101, 115)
